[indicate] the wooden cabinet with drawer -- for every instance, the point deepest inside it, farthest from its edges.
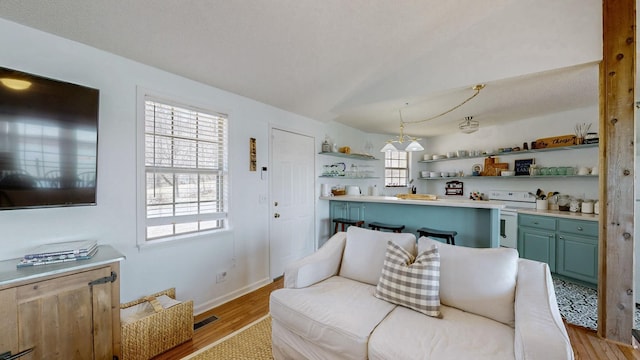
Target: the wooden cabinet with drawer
(62, 311)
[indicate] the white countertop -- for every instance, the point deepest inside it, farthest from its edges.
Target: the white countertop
(465, 203)
(10, 274)
(561, 214)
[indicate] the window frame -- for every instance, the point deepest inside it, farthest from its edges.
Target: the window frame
(143, 95)
(407, 168)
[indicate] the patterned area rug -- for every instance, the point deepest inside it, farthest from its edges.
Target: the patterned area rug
(253, 342)
(579, 305)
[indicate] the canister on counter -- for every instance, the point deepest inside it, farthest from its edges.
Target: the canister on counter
(587, 207)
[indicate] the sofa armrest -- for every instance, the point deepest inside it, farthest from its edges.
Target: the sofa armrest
(318, 266)
(539, 330)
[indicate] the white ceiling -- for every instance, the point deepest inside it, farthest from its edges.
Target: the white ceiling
(355, 61)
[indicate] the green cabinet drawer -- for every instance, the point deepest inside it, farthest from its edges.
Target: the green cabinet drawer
(578, 227)
(538, 222)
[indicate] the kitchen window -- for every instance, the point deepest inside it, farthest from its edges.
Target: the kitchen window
(185, 169)
(396, 168)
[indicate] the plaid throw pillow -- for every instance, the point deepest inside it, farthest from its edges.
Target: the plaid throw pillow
(409, 283)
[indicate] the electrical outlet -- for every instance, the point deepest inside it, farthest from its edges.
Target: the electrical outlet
(221, 277)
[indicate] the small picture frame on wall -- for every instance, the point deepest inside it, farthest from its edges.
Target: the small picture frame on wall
(252, 154)
(522, 166)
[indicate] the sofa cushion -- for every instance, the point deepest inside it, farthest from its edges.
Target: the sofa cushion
(337, 314)
(364, 252)
(406, 334)
(480, 281)
(411, 282)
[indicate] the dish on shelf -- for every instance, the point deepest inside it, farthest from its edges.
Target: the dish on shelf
(507, 173)
(438, 157)
(476, 169)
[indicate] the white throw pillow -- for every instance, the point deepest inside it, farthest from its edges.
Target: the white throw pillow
(411, 282)
(477, 280)
(364, 252)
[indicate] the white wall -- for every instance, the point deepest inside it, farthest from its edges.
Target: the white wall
(513, 134)
(190, 266)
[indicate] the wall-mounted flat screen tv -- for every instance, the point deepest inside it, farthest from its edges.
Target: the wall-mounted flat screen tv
(48, 142)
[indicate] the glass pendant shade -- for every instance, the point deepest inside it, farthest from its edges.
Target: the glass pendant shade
(414, 146)
(388, 147)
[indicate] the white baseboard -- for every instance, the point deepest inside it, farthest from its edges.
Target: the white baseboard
(201, 308)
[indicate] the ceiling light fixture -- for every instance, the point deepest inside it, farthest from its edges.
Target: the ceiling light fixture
(15, 84)
(469, 125)
(414, 145)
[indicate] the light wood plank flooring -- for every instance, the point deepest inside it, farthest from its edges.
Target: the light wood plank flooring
(248, 308)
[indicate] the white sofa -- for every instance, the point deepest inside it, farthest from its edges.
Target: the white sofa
(493, 305)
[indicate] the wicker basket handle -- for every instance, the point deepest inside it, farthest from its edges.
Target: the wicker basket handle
(154, 302)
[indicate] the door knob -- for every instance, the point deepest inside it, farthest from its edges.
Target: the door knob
(276, 215)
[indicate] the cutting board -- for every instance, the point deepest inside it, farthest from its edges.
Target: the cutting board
(417, 196)
(494, 169)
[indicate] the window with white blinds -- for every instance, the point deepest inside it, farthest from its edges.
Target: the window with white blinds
(185, 168)
(396, 168)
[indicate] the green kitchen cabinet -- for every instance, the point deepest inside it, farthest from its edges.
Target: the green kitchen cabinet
(347, 210)
(537, 244)
(569, 246)
(578, 249)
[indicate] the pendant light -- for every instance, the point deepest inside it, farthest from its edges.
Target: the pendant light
(414, 145)
(468, 126)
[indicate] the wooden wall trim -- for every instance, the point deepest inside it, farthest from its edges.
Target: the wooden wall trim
(616, 246)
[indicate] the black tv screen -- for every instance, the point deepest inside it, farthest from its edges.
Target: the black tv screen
(48, 142)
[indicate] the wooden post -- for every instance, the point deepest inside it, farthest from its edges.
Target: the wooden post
(616, 249)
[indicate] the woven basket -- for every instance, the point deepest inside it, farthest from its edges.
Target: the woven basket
(158, 332)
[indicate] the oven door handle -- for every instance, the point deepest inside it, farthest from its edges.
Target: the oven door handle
(503, 225)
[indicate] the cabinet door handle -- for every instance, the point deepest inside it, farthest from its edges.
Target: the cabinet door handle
(561, 237)
(579, 228)
(535, 223)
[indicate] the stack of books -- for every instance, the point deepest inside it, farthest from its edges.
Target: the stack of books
(60, 252)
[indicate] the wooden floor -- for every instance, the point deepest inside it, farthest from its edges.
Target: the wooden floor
(242, 311)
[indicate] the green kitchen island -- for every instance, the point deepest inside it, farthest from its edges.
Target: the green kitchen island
(477, 222)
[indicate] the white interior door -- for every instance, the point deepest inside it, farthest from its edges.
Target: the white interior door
(292, 205)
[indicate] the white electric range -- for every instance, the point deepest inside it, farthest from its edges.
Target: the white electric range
(513, 201)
